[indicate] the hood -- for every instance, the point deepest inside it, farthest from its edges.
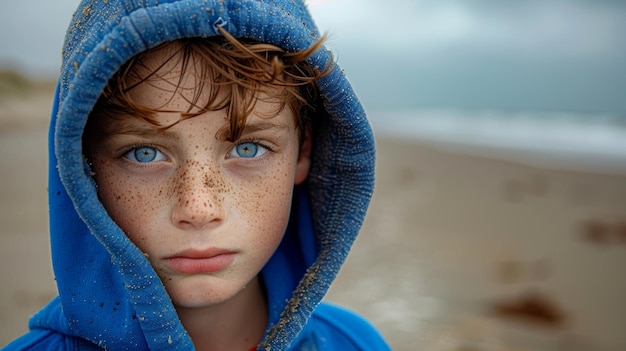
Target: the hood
(108, 292)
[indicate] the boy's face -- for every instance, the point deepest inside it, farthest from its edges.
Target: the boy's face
(208, 213)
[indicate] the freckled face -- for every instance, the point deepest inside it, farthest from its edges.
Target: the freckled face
(208, 213)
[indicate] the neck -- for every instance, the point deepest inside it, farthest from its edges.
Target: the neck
(237, 324)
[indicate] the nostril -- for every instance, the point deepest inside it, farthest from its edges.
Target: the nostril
(197, 208)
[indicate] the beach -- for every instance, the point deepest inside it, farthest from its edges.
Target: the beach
(458, 251)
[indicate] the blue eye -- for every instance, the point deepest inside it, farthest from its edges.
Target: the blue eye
(247, 150)
(145, 154)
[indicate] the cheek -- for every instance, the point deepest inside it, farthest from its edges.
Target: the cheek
(269, 203)
(126, 202)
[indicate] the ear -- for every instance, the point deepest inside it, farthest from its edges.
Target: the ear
(304, 158)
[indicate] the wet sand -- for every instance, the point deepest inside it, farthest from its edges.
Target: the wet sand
(25, 271)
(461, 253)
(457, 252)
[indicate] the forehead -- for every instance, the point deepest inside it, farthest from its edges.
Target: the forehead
(175, 69)
(187, 78)
(155, 77)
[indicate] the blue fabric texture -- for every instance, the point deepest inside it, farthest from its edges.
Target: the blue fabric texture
(109, 295)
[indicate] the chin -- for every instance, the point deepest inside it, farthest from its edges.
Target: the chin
(203, 291)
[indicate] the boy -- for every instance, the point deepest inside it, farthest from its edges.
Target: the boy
(211, 168)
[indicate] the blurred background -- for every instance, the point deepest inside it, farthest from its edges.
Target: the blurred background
(499, 218)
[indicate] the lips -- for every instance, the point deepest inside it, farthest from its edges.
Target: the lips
(200, 261)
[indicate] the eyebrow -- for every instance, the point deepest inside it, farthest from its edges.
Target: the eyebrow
(149, 131)
(264, 125)
(142, 131)
(253, 127)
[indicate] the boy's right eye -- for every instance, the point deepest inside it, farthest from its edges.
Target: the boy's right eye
(144, 154)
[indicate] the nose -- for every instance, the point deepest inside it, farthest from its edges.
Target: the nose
(199, 199)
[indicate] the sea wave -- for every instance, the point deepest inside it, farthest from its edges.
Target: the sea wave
(578, 142)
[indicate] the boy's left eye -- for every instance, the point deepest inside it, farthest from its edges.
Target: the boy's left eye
(247, 150)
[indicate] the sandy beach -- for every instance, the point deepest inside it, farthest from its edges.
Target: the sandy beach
(458, 252)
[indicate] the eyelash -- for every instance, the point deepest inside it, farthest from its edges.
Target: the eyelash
(129, 148)
(251, 141)
(258, 142)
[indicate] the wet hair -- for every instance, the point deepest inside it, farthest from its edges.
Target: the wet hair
(233, 71)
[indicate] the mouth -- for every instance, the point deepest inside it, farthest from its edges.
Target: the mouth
(200, 261)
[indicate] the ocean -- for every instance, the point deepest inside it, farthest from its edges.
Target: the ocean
(560, 141)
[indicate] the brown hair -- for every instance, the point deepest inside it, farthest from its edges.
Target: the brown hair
(241, 68)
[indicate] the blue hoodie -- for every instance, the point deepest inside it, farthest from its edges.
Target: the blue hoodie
(109, 295)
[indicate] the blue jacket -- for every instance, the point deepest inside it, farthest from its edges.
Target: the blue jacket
(109, 295)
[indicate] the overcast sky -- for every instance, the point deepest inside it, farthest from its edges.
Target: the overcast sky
(548, 55)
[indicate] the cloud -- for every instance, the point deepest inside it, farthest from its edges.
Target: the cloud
(536, 28)
(541, 55)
